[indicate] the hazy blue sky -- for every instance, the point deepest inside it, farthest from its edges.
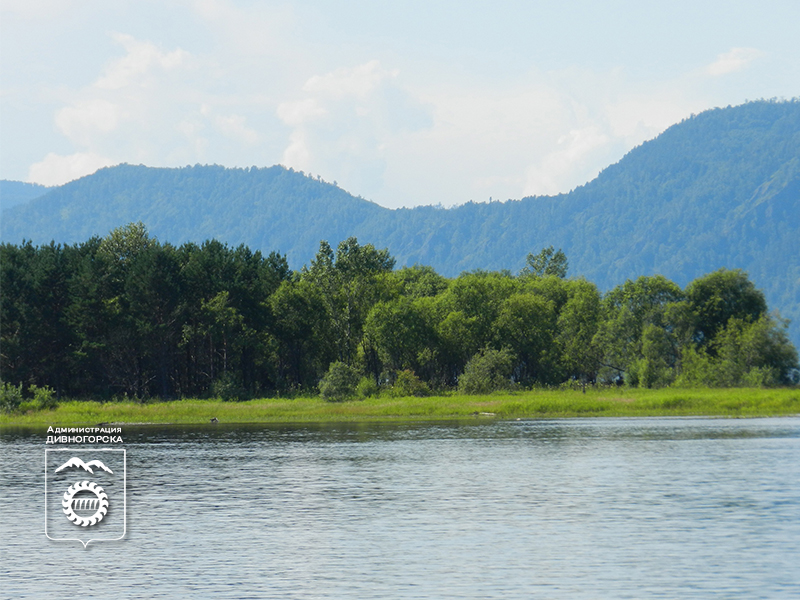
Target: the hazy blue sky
(402, 102)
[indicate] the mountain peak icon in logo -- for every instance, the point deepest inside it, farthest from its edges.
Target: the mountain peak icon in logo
(77, 462)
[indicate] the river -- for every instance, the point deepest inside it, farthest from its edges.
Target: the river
(578, 508)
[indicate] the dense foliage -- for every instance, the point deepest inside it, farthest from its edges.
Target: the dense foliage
(127, 315)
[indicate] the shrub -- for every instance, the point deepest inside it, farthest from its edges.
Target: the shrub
(10, 397)
(339, 383)
(44, 398)
(488, 371)
(408, 384)
(367, 388)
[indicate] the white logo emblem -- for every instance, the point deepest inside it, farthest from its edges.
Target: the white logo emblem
(98, 504)
(86, 503)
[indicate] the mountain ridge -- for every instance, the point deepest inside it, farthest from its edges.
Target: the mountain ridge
(13, 193)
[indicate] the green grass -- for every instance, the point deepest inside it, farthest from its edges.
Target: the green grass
(538, 404)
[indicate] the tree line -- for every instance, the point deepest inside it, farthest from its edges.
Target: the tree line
(129, 316)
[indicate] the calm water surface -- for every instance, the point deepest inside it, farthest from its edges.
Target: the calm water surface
(596, 508)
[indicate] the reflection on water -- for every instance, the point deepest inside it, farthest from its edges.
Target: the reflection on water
(596, 508)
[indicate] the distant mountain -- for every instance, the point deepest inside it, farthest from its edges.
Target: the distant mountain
(13, 193)
(720, 189)
(269, 209)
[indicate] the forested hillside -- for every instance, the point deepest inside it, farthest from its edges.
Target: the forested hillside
(268, 209)
(720, 189)
(13, 193)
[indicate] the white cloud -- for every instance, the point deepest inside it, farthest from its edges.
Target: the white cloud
(142, 57)
(144, 108)
(58, 170)
(130, 101)
(301, 111)
(346, 123)
(639, 116)
(234, 127)
(298, 153)
(736, 59)
(86, 119)
(549, 175)
(359, 81)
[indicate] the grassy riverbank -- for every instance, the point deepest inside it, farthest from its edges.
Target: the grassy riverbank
(535, 404)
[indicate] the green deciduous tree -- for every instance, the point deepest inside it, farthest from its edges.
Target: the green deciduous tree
(547, 262)
(420, 281)
(526, 325)
(124, 243)
(627, 311)
(720, 296)
(655, 366)
(350, 282)
(399, 332)
(578, 323)
(303, 332)
(743, 353)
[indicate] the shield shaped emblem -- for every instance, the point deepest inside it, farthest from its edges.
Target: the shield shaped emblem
(85, 494)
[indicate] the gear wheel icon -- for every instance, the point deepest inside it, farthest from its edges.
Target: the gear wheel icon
(101, 503)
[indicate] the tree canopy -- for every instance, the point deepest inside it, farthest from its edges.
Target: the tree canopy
(128, 315)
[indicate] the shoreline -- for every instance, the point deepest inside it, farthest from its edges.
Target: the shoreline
(534, 404)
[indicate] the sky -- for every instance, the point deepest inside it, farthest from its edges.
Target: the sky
(402, 102)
